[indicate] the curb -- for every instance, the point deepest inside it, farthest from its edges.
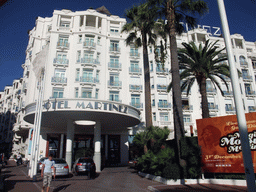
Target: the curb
(150, 188)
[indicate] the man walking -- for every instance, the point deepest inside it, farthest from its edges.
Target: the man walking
(46, 172)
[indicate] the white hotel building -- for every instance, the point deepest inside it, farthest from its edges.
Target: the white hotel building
(91, 74)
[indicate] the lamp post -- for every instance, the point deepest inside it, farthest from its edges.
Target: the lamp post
(246, 150)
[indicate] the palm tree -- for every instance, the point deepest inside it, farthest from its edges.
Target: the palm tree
(177, 11)
(140, 27)
(202, 63)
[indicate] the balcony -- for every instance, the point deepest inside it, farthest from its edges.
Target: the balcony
(247, 77)
(88, 62)
(135, 70)
(187, 108)
(160, 70)
(213, 108)
(211, 91)
(250, 93)
(89, 45)
(60, 62)
(228, 93)
(133, 54)
(164, 105)
(114, 66)
(62, 45)
(137, 105)
(161, 87)
(251, 108)
(244, 64)
(87, 80)
(114, 50)
(115, 84)
(135, 88)
(59, 80)
(230, 109)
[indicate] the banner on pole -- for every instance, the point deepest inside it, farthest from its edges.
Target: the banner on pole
(220, 143)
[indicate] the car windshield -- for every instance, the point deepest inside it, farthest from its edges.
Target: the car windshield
(59, 161)
(85, 160)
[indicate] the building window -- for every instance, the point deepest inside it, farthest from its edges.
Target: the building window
(58, 92)
(186, 118)
(114, 95)
(114, 30)
(134, 66)
(97, 94)
(77, 74)
(76, 92)
(89, 40)
(60, 73)
(114, 79)
(61, 56)
(65, 24)
(86, 93)
(242, 60)
(164, 117)
(98, 58)
(151, 66)
(134, 51)
(63, 41)
(254, 64)
(97, 76)
(78, 56)
(154, 116)
(98, 40)
(88, 57)
(87, 75)
(80, 38)
(114, 46)
(114, 62)
(135, 100)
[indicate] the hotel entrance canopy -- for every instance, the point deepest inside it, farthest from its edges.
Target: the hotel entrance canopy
(111, 114)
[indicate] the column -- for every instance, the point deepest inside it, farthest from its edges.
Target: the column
(106, 148)
(61, 144)
(97, 143)
(69, 143)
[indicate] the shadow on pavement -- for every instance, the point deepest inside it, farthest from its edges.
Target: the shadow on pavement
(63, 187)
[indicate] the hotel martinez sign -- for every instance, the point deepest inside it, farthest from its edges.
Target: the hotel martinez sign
(79, 106)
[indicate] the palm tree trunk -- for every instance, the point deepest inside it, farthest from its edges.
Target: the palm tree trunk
(204, 101)
(176, 90)
(148, 108)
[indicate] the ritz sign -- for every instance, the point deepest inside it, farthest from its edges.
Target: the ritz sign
(94, 105)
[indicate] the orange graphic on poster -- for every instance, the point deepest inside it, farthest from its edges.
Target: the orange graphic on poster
(220, 143)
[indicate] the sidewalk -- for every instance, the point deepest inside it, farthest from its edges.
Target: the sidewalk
(16, 179)
(197, 188)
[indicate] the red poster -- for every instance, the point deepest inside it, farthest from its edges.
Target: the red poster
(220, 143)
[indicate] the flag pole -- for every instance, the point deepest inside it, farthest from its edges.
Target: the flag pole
(246, 150)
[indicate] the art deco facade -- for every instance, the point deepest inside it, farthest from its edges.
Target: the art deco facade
(88, 60)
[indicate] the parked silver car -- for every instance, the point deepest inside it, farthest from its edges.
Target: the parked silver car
(61, 166)
(84, 165)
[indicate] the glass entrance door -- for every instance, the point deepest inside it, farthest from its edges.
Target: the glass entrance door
(113, 149)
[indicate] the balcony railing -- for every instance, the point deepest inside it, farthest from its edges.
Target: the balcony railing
(228, 93)
(137, 105)
(133, 54)
(57, 61)
(187, 107)
(161, 70)
(243, 64)
(213, 107)
(115, 84)
(164, 105)
(211, 90)
(89, 44)
(135, 70)
(63, 45)
(135, 87)
(250, 93)
(230, 109)
(87, 61)
(60, 80)
(251, 108)
(87, 80)
(247, 77)
(114, 65)
(114, 49)
(161, 87)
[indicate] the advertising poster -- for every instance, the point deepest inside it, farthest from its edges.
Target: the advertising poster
(220, 143)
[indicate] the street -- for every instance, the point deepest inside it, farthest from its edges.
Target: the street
(110, 179)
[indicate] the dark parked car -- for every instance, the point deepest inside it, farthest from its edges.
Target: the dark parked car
(133, 163)
(84, 165)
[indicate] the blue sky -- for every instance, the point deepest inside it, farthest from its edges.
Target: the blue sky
(18, 16)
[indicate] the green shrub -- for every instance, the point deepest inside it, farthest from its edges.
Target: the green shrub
(172, 171)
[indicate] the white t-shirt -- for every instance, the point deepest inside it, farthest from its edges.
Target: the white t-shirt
(48, 165)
